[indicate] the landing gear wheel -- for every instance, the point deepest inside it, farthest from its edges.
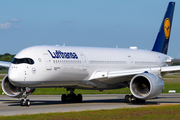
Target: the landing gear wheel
(79, 98)
(69, 98)
(133, 100)
(73, 98)
(22, 102)
(127, 99)
(27, 102)
(63, 98)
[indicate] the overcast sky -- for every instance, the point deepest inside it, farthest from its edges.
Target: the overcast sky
(97, 23)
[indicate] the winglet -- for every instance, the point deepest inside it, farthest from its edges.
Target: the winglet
(162, 40)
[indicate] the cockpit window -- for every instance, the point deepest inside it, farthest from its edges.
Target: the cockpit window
(22, 60)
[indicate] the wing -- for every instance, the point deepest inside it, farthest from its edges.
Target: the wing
(5, 64)
(115, 76)
(175, 60)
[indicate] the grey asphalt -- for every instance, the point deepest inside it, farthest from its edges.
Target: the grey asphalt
(52, 103)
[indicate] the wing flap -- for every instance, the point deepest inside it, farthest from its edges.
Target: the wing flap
(172, 60)
(119, 76)
(121, 73)
(105, 75)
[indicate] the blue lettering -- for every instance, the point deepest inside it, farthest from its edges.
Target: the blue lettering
(51, 54)
(63, 55)
(71, 55)
(75, 56)
(57, 54)
(67, 55)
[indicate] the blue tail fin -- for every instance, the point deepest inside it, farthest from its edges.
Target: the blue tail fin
(162, 40)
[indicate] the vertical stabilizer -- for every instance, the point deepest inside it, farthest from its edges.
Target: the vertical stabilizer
(162, 40)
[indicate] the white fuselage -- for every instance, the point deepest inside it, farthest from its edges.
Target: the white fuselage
(58, 66)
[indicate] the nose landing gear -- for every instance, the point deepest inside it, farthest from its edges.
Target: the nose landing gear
(26, 91)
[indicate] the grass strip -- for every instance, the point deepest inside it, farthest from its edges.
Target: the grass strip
(171, 77)
(165, 112)
(3, 71)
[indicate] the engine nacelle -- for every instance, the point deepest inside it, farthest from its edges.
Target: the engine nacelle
(146, 85)
(13, 91)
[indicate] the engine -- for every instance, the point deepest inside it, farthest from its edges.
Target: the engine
(146, 85)
(13, 91)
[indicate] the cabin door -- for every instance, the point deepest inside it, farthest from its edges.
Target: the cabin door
(131, 63)
(84, 61)
(48, 61)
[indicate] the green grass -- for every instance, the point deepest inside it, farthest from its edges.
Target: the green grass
(171, 77)
(57, 91)
(165, 112)
(172, 86)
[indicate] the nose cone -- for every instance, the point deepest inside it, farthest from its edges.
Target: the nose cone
(14, 76)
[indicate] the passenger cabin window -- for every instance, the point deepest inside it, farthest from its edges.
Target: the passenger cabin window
(22, 60)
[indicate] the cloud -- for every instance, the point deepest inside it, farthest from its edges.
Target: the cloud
(12, 24)
(6, 25)
(15, 20)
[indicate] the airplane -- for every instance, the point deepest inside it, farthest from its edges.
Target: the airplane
(92, 68)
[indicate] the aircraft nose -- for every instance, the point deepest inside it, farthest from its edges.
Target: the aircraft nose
(13, 75)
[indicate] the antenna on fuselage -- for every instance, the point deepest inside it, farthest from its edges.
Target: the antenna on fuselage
(63, 44)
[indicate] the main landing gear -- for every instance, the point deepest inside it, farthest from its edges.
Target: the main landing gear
(72, 97)
(132, 99)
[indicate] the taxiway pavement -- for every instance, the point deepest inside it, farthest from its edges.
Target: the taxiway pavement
(52, 103)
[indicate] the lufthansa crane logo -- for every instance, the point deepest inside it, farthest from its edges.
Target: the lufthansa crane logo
(167, 28)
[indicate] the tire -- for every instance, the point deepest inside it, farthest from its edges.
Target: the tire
(63, 98)
(74, 98)
(79, 98)
(127, 99)
(22, 102)
(27, 102)
(69, 98)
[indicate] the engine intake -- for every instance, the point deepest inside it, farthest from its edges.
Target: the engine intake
(146, 85)
(13, 91)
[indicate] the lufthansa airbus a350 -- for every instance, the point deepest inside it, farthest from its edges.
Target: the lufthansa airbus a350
(92, 68)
